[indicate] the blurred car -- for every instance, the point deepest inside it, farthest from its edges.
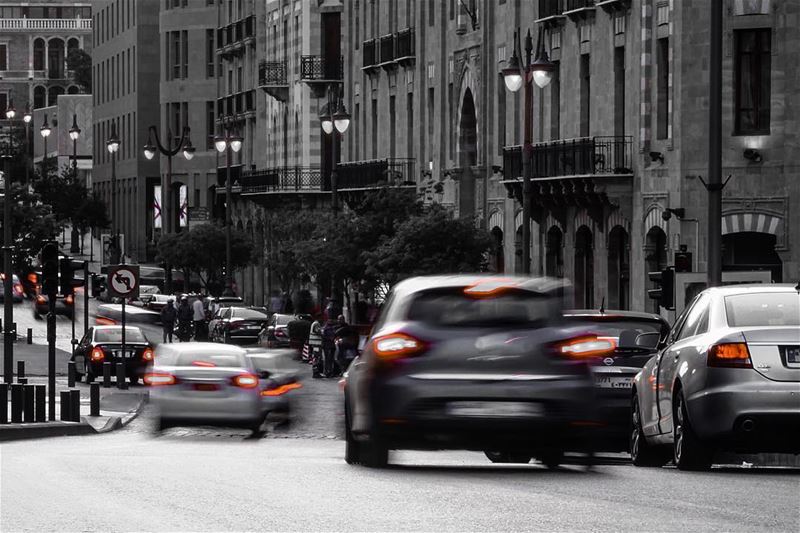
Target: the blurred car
(157, 302)
(103, 344)
(17, 291)
(238, 324)
(635, 338)
(146, 293)
(202, 383)
(111, 314)
(728, 378)
(473, 362)
(278, 381)
(275, 333)
(65, 305)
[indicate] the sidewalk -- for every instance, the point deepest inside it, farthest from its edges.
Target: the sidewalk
(117, 409)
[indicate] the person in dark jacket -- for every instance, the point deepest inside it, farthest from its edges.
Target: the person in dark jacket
(168, 316)
(329, 347)
(346, 340)
(185, 316)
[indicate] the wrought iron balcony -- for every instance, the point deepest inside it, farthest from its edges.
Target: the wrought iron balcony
(237, 105)
(585, 156)
(316, 69)
(376, 173)
(550, 9)
(578, 9)
(273, 79)
(369, 56)
(387, 50)
(282, 179)
(232, 37)
(405, 46)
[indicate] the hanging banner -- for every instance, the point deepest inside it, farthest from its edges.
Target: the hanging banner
(184, 193)
(157, 206)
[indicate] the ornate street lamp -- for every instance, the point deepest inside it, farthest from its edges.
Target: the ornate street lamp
(112, 145)
(335, 122)
(230, 142)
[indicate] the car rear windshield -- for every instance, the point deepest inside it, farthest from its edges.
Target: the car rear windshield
(115, 335)
(249, 313)
(211, 359)
(763, 309)
(455, 309)
(612, 327)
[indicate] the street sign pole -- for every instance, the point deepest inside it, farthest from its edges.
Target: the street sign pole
(123, 282)
(85, 297)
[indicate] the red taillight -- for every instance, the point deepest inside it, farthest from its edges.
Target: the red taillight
(396, 346)
(157, 379)
(245, 381)
(283, 389)
(588, 347)
(147, 354)
(41, 300)
(69, 299)
(18, 288)
(205, 364)
(97, 354)
(280, 333)
(33, 278)
(490, 287)
(103, 321)
(235, 325)
(729, 354)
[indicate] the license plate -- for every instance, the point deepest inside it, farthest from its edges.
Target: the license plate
(128, 353)
(793, 355)
(494, 409)
(206, 387)
(613, 382)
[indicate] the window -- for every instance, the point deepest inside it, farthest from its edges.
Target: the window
(752, 81)
(431, 8)
(3, 57)
(375, 128)
(585, 95)
(501, 116)
(210, 53)
(392, 126)
(431, 104)
(662, 110)
(763, 309)
(619, 91)
(209, 125)
(410, 125)
(694, 319)
(176, 54)
(184, 54)
(3, 103)
(38, 54)
(555, 103)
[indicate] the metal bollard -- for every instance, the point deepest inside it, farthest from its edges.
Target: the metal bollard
(106, 374)
(3, 403)
(71, 374)
(122, 383)
(41, 403)
(75, 405)
(65, 416)
(28, 405)
(20, 369)
(16, 403)
(94, 399)
(30, 335)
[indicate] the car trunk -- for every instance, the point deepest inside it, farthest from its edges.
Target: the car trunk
(133, 350)
(775, 352)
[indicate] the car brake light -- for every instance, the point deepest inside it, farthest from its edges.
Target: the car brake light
(283, 389)
(245, 381)
(584, 347)
(729, 354)
(68, 299)
(206, 364)
(396, 346)
(41, 300)
(147, 354)
(157, 379)
(18, 288)
(103, 321)
(490, 287)
(97, 354)
(234, 325)
(280, 333)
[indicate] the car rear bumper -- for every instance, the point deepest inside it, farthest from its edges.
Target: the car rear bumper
(205, 408)
(133, 367)
(751, 414)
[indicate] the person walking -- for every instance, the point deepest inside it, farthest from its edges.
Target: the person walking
(185, 316)
(329, 347)
(168, 316)
(199, 317)
(315, 347)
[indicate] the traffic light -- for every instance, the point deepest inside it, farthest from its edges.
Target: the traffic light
(664, 292)
(683, 261)
(65, 276)
(50, 269)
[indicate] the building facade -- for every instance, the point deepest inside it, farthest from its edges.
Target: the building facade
(125, 70)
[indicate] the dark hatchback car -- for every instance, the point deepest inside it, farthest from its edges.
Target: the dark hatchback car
(472, 362)
(276, 331)
(238, 324)
(103, 344)
(635, 338)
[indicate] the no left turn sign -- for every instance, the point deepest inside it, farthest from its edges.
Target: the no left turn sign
(123, 281)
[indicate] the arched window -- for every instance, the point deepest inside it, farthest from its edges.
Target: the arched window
(499, 260)
(55, 59)
(39, 97)
(554, 256)
(38, 54)
(584, 268)
(72, 44)
(53, 94)
(73, 89)
(618, 268)
(655, 257)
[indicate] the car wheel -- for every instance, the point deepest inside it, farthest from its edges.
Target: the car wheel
(227, 337)
(159, 426)
(689, 453)
(505, 457)
(87, 374)
(552, 459)
(133, 380)
(352, 450)
(642, 452)
(259, 427)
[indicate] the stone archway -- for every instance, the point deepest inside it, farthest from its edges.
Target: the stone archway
(655, 257)
(468, 132)
(554, 253)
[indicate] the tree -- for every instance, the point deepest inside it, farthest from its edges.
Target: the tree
(432, 242)
(80, 63)
(201, 250)
(285, 231)
(32, 224)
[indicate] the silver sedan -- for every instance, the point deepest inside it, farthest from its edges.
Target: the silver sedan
(727, 378)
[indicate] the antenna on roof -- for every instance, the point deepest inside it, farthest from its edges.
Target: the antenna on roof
(797, 287)
(603, 304)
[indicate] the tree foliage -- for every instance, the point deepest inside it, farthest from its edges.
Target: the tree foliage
(32, 223)
(70, 200)
(80, 63)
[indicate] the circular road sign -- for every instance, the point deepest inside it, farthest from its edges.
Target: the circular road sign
(123, 281)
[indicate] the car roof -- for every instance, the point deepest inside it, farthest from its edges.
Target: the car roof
(201, 348)
(751, 288)
(611, 313)
(541, 285)
(117, 327)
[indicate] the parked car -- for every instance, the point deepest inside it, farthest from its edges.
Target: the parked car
(157, 302)
(238, 324)
(635, 338)
(103, 344)
(202, 383)
(17, 291)
(111, 314)
(275, 333)
(65, 305)
(473, 362)
(727, 378)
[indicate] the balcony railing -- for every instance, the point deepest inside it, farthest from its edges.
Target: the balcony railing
(387, 48)
(236, 104)
(236, 33)
(405, 44)
(46, 24)
(550, 8)
(573, 5)
(315, 68)
(282, 179)
(369, 56)
(272, 73)
(376, 173)
(585, 156)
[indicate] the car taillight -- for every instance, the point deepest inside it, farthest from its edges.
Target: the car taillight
(18, 288)
(588, 347)
(147, 354)
(283, 389)
(157, 379)
(68, 299)
(41, 300)
(97, 354)
(245, 381)
(280, 333)
(729, 354)
(103, 321)
(396, 346)
(235, 325)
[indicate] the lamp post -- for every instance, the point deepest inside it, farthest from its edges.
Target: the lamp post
(150, 150)
(8, 307)
(45, 131)
(516, 75)
(74, 133)
(26, 118)
(112, 144)
(228, 143)
(335, 122)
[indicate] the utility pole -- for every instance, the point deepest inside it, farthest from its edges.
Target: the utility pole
(714, 186)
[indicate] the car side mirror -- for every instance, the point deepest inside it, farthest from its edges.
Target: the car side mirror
(648, 340)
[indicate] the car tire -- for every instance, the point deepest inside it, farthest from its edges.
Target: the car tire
(227, 337)
(352, 448)
(259, 426)
(133, 380)
(642, 452)
(552, 459)
(374, 453)
(87, 374)
(689, 453)
(506, 457)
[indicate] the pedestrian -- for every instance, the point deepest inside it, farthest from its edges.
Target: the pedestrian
(199, 319)
(185, 316)
(168, 316)
(346, 341)
(329, 347)
(315, 347)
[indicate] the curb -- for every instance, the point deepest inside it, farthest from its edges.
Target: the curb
(119, 422)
